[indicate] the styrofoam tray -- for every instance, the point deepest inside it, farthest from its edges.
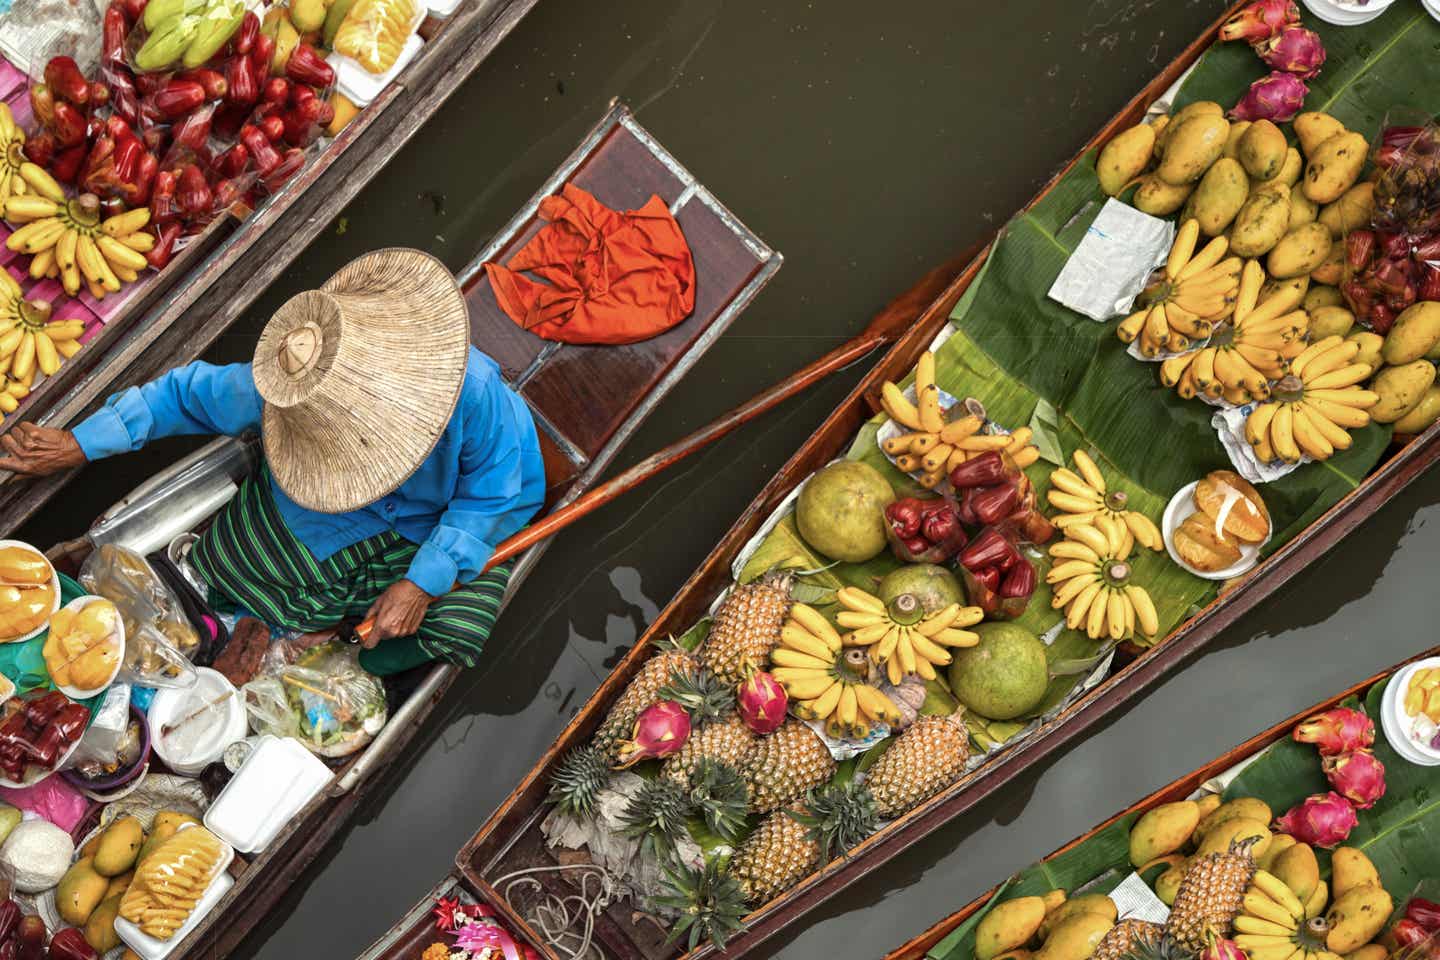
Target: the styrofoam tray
(151, 949)
(1178, 510)
(54, 587)
(79, 693)
(360, 85)
(276, 782)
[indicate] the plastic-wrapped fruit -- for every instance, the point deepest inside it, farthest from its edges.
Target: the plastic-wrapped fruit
(1234, 504)
(1204, 546)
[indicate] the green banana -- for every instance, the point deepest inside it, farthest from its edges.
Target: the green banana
(219, 23)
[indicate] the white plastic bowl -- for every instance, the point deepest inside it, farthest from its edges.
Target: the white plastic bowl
(1395, 723)
(1178, 510)
(173, 705)
(54, 586)
(1346, 14)
(79, 693)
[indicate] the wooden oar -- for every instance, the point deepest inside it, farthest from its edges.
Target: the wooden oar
(884, 329)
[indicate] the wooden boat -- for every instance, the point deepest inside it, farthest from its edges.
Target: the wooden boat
(510, 840)
(582, 428)
(174, 315)
(1180, 789)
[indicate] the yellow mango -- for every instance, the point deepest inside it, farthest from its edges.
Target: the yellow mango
(1232, 142)
(1076, 938)
(1167, 885)
(1251, 807)
(1053, 900)
(1299, 252)
(1370, 345)
(1221, 193)
(1335, 166)
(1233, 831)
(1160, 199)
(100, 928)
(1415, 333)
(1124, 158)
(1191, 147)
(1262, 150)
(1096, 903)
(1356, 917)
(1302, 211)
(1279, 843)
(1371, 951)
(1332, 269)
(1352, 210)
(1316, 904)
(1163, 830)
(1401, 389)
(1298, 869)
(1424, 413)
(79, 892)
(1330, 322)
(119, 846)
(1351, 868)
(1313, 128)
(1323, 295)
(1261, 222)
(1008, 925)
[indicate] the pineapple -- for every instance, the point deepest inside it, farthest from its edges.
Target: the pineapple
(580, 776)
(1210, 896)
(929, 756)
(642, 691)
(727, 742)
(793, 843)
(720, 794)
(785, 764)
(656, 814)
(1136, 940)
(702, 695)
(708, 902)
(746, 628)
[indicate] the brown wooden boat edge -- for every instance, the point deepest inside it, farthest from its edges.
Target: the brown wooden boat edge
(271, 873)
(206, 301)
(1379, 487)
(1178, 789)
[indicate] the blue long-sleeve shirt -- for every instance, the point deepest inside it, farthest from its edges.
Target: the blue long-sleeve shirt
(483, 481)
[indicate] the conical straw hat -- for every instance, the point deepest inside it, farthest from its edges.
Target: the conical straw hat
(360, 378)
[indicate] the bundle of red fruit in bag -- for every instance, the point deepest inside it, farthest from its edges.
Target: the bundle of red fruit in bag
(1396, 262)
(38, 732)
(1416, 935)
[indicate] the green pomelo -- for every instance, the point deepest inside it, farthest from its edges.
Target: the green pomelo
(935, 587)
(1004, 676)
(841, 511)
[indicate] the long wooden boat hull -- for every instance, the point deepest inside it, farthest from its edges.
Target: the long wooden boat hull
(510, 840)
(1179, 789)
(587, 401)
(178, 313)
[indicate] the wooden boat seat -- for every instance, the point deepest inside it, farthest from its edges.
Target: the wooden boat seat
(595, 390)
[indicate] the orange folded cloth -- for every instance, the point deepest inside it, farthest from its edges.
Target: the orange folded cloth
(610, 277)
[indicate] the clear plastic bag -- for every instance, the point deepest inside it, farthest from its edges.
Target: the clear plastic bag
(182, 34)
(144, 600)
(37, 732)
(101, 745)
(325, 699)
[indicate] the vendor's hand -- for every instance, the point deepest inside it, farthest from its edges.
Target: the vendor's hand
(397, 613)
(37, 451)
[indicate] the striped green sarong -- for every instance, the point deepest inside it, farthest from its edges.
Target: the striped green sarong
(250, 556)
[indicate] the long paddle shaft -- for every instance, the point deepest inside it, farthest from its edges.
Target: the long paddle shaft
(884, 329)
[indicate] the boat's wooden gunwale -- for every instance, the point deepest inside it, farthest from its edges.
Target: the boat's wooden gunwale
(1180, 788)
(201, 302)
(519, 810)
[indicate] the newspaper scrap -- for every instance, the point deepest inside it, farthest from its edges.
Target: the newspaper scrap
(1229, 424)
(1134, 900)
(33, 31)
(1112, 262)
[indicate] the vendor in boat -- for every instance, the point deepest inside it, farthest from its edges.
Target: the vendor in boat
(396, 459)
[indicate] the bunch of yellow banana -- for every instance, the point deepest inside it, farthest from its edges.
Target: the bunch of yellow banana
(67, 238)
(29, 338)
(824, 680)
(1312, 410)
(1241, 359)
(1083, 496)
(1196, 291)
(900, 637)
(1272, 923)
(13, 390)
(936, 446)
(12, 154)
(1091, 582)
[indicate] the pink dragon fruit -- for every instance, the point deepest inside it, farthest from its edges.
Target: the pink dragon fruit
(1277, 97)
(1218, 948)
(1322, 820)
(1294, 50)
(1260, 20)
(1338, 730)
(660, 730)
(762, 703)
(1357, 776)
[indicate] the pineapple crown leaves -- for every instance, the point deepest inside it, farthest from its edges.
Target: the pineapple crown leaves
(709, 901)
(701, 693)
(721, 795)
(578, 779)
(1153, 943)
(839, 816)
(657, 814)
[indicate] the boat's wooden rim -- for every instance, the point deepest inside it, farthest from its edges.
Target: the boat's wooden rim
(523, 807)
(1180, 788)
(187, 313)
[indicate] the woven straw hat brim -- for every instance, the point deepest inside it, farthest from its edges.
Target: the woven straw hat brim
(348, 422)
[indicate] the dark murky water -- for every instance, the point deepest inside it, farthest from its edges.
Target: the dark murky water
(867, 146)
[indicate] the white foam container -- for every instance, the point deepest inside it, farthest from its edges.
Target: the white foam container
(175, 704)
(151, 949)
(1395, 724)
(79, 693)
(54, 586)
(277, 780)
(360, 85)
(1347, 14)
(1432, 7)
(1177, 511)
